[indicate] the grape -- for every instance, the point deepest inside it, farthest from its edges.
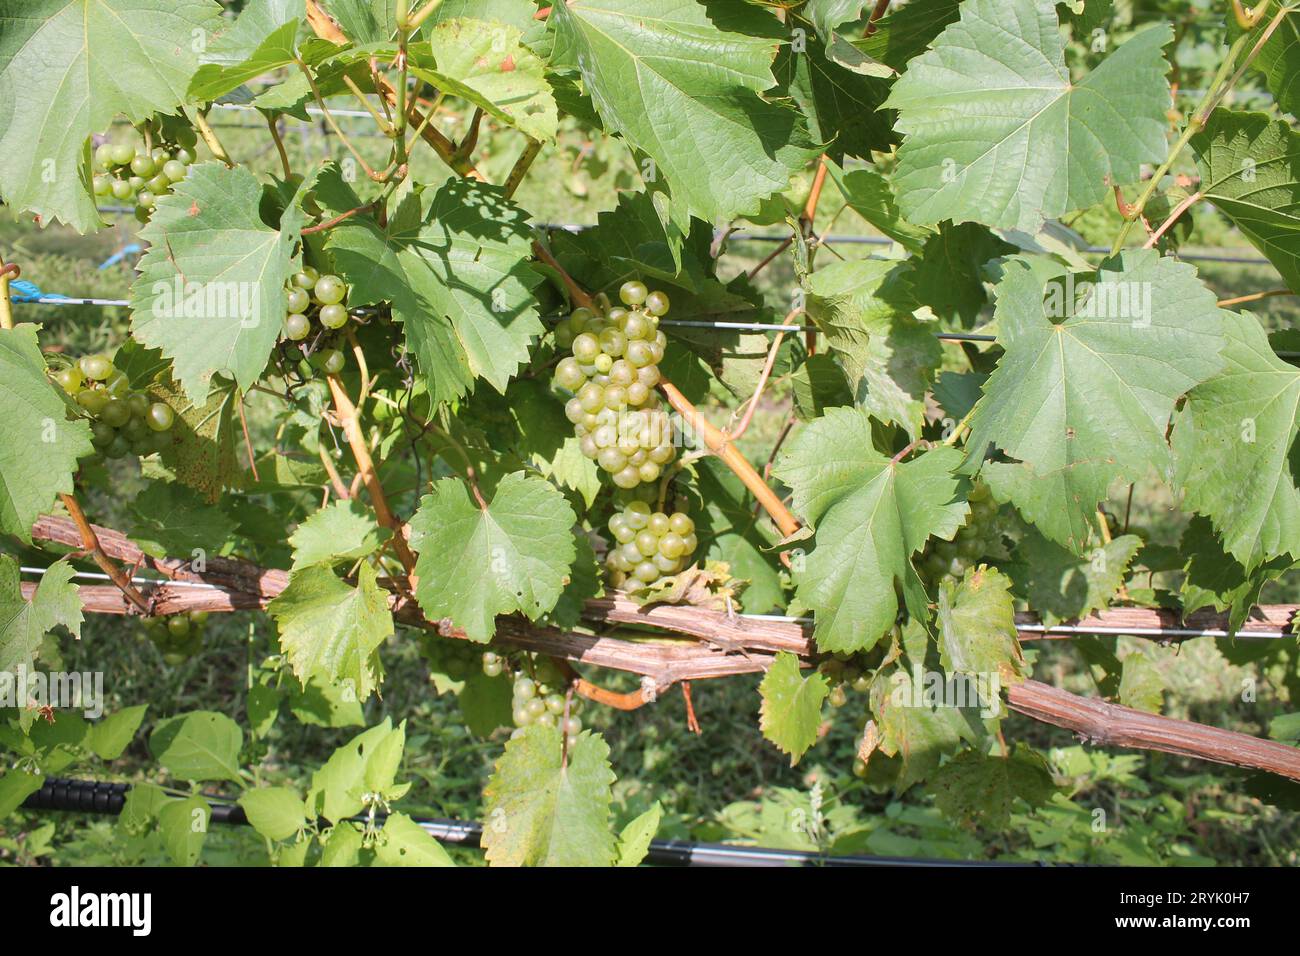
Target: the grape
(159, 185)
(635, 326)
(121, 153)
(332, 361)
(296, 326)
(121, 189)
(70, 379)
(93, 400)
(102, 185)
(633, 293)
(145, 199)
(646, 572)
(536, 708)
(333, 316)
(329, 290)
(119, 447)
(586, 347)
(160, 417)
(116, 413)
(681, 524)
(297, 300)
(555, 704)
(525, 689)
(139, 403)
(174, 171)
(118, 385)
(136, 431)
(656, 303)
(612, 342)
(658, 524)
(184, 156)
(143, 165)
(102, 434)
(306, 279)
(104, 156)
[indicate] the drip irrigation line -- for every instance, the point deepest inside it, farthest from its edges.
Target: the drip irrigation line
(94, 796)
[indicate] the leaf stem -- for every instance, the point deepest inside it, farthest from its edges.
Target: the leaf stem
(209, 137)
(273, 125)
(752, 404)
(521, 167)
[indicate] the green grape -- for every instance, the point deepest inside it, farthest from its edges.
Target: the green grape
(297, 301)
(119, 447)
(521, 716)
(139, 403)
(184, 156)
(586, 347)
(628, 478)
(681, 523)
(143, 165)
(525, 688)
(199, 617)
(104, 156)
(633, 293)
(136, 183)
(333, 316)
(118, 385)
(535, 707)
(573, 411)
(174, 171)
(297, 326)
(611, 460)
(332, 361)
(636, 327)
(93, 400)
(306, 279)
(116, 413)
(603, 363)
(121, 189)
(691, 542)
(592, 397)
(136, 431)
(70, 379)
(639, 354)
(612, 342)
(145, 199)
(159, 155)
(160, 417)
(102, 184)
(579, 318)
(658, 524)
(102, 434)
(160, 185)
(564, 334)
(656, 303)
(329, 290)
(672, 545)
(121, 153)
(492, 670)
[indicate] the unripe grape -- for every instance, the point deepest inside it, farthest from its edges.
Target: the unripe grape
(615, 397)
(119, 447)
(579, 318)
(145, 199)
(637, 394)
(681, 523)
(603, 363)
(612, 342)
(639, 353)
(647, 543)
(493, 669)
(143, 165)
(333, 316)
(637, 514)
(178, 625)
(588, 446)
(648, 375)
(658, 524)
(646, 572)
(648, 471)
(672, 545)
(611, 460)
(535, 707)
(329, 290)
(297, 300)
(174, 171)
(116, 413)
(70, 379)
(521, 716)
(637, 328)
(586, 347)
(621, 373)
(297, 326)
(633, 293)
(564, 334)
(691, 542)
(573, 411)
(525, 688)
(122, 153)
(104, 156)
(555, 703)
(184, 156)
(332, 361)
(306, 279)
(666, 565)
(662, 454)
(160, 185)
(572, 726)
(102, 184)
(160, 417)
(102, 434)
(628, 478)
(93, 400)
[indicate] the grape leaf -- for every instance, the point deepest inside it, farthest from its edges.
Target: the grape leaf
(686, 93)
(331, 630)
(1141, 685)
(791, 707)
(871, 196)
(403, 842)
(67, 68)
(975, 788)
(1233, 446)
(24, 624)
(1215, 579)
(262, 39)
(1250, 171)
(341, 531)
(477, 562)
(871, 515)
(338, 787)
(170, 520)
(454, 264)
(908, 31)
(1278, 61)
(1062, 586)
(634, 841)
(538, 811)
(1092, 369)
(200, 745)
(818, 384)
(949, 274)
(275, 812)
(996, 131)
(977, 626)
(41, 447)
(864, 308)
(205, 438)
(210, 292)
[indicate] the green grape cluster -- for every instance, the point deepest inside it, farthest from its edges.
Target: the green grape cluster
(133, 171)
(650, 545)
(536, 702)
(951, 559)
(178, 637)
(123, 421)
(323, 298)
(612, 373)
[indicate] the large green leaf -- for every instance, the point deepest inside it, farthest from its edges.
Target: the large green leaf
(864, 308)
(403, 842)
(871, 515)
(262, 39)
(210, 292)
(974, 787)
(366, 764)
(541, 811)
(1250, 171)
(949, 275)
(67, 68)
(200, 745)
(331, 630)
(24, 624)
(41, 446)
(842, 106)
(1278, 60)
(1233, 446)
(1085, 390)
(791, 707)
(477, 562)
(997, 132)
(341, 531)
(454, 264)
(172, 520)
(686, 93)
(977, 626)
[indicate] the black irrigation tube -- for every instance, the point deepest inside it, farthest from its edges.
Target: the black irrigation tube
(95, 796)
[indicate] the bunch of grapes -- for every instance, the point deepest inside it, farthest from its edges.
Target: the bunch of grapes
(123, 422)
(612, 374)
(178, 637)
(539, 703)
(132, 171)
(322, 297)
(950, 559)
(650, 545)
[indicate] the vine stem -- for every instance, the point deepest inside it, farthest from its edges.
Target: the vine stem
(750, 407)
(90, 541)
(1252, 297)
(349, 420)
(210, 139)
(336, 480)
(522, 164)
(273, 126)
(1174, 216)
